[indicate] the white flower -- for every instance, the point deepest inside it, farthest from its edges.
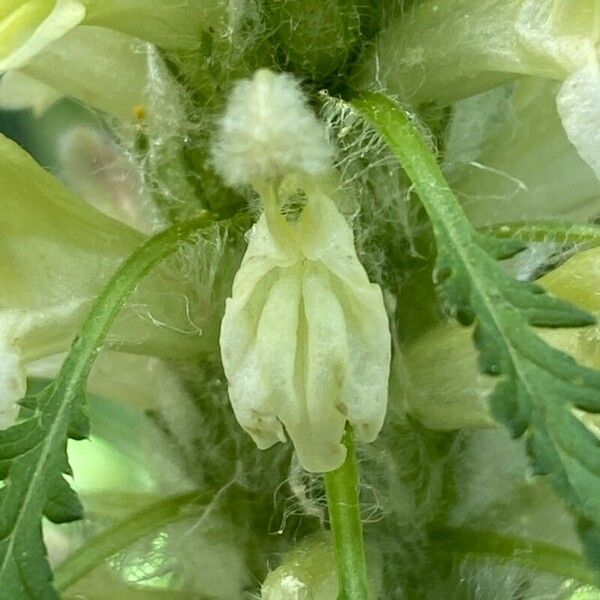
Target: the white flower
(268, 131)
(305, 340)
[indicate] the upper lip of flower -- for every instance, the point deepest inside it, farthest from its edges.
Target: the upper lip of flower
(27, 29)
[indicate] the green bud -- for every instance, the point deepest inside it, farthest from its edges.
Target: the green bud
(308, 573)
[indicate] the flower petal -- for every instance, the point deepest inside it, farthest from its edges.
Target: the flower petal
(19, 91)
(317, 438)
(65, 15)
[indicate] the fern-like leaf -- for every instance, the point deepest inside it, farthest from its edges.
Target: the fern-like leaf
(33, 457)
(539, 388)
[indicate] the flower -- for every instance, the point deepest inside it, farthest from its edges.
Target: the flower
(441, 52)
(56, 253)
(305, 340)
(105, 43)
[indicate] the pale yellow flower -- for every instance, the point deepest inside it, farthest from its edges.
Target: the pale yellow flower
(97, 51)
(305, 339)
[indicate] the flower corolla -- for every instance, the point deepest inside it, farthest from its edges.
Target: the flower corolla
(105, 43)
(56, 253)
(305, 339)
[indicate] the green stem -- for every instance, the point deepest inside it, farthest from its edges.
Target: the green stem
(485, 545)
(547, 231)
(128, 531)
(342, 488)
(60, 414)
(79, 361)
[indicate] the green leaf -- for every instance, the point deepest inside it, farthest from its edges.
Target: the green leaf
(538, 387)
(33, 457)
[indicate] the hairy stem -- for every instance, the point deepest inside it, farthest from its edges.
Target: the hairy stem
(342, 488)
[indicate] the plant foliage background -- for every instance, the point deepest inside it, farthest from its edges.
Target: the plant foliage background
(467, 165)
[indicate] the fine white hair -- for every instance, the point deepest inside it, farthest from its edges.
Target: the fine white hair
(268, 131)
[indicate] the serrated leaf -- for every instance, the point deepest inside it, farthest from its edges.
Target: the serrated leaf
(33, 456)
(538, 387)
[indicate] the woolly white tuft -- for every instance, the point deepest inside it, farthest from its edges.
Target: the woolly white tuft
(268, 131)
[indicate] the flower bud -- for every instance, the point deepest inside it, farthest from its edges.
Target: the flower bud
(308, 573)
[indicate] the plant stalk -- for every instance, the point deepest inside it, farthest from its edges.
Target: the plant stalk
(128, 531)
(342, 489)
